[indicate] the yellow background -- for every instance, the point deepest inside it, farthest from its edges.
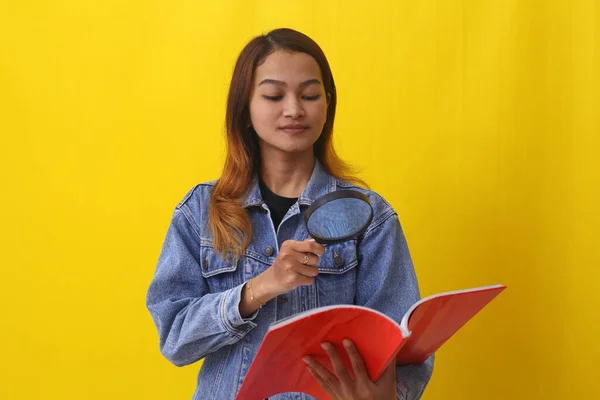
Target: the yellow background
(478, 120)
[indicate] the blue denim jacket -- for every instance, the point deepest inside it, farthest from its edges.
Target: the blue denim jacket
(194, 295)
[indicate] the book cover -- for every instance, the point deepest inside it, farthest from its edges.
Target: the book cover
(425, 327)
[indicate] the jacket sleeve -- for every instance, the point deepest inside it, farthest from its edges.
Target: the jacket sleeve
(191, 321)
(388, 283)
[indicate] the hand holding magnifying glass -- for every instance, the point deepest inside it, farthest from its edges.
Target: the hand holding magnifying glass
(336, 217)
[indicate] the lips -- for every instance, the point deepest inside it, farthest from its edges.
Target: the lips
(293, 128)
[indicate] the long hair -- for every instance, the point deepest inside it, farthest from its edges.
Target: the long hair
(229, 221)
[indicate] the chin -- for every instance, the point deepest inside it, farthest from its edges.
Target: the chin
(290, 145)
(296, 149)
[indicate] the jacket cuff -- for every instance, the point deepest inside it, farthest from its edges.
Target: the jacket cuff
(230, 316)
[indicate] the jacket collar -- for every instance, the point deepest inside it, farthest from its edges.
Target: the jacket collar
(320, 184)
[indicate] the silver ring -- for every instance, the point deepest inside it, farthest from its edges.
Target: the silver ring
(305, 259)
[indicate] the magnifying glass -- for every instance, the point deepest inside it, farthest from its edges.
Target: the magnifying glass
(338, 216)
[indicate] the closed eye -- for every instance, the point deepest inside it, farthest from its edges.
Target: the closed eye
(273, 98)
(311, 98)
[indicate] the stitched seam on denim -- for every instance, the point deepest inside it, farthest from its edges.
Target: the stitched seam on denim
(339, 271)
(248, 253)
(187, 196)
(188, 216)
(192, 190)
(331, 187)
(380, 221)
(258, 257)
(233, 331)
(220, 374)
(223, 313)
(228, 327)
(254, 204)
(401, 390)
(345, 184)
(332, 184)
(383, 200)
(218, 271)
(239, 379)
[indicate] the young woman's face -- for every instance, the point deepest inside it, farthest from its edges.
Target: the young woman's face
(288, 105)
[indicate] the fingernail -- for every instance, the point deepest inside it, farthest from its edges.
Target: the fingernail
(347, 343)
(306, 359)
(311, 240)
(326, 346)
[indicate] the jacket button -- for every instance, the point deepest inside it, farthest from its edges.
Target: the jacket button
(262, 209)
(205, 264)
(338, 261)
(268, 251)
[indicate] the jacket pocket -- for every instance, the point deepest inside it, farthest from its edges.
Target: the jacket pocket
(220, 274)
(336, 282)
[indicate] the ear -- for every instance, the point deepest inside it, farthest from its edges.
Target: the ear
(328, 98)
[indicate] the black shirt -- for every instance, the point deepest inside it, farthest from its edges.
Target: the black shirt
(278, 205)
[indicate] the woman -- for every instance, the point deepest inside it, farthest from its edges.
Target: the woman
(237, 255)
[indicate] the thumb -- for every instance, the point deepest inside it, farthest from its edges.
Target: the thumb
(389, 373)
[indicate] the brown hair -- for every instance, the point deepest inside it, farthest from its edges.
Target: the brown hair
(229, 221)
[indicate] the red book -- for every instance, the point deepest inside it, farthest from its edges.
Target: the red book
(429, 323)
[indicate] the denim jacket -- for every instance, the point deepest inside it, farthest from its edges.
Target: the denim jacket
(194, 295)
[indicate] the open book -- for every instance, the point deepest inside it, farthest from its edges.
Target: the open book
(429, 323)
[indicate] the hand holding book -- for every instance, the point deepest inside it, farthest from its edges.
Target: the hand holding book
(351, 383)
(380, 340)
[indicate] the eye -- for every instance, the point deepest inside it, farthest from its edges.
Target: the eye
(312, 98)
(273, 98)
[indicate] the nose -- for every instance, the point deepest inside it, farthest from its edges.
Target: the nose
(293, 108)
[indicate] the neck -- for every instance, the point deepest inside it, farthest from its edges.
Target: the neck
(287, 174)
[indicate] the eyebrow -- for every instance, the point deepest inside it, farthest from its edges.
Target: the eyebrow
(281, 83)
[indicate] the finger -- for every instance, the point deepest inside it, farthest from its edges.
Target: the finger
(307, 270)
(338, 366)
(307, 258)
(309, 245)
(316, 248)
(317, 377)
(321, 382)
(358, 365)
(324, 378)
(298, 275)
(389, 373)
